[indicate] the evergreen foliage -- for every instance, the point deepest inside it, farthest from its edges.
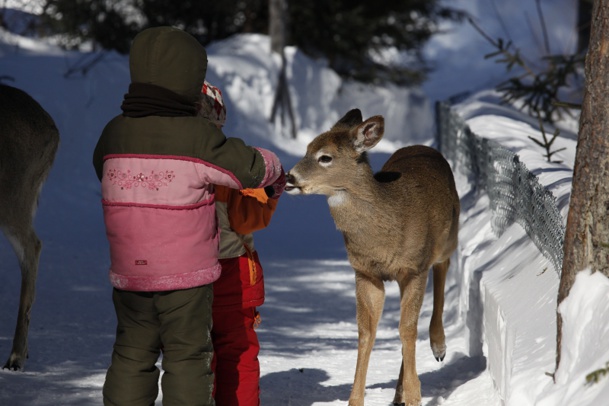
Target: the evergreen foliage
(546, 142)
(596, 376)
(354, 36)
(351, 35)
(535, 87)
(112, 25)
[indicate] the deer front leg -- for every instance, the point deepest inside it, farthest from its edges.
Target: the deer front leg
(412, 290)
(436, 326)
(370, 298)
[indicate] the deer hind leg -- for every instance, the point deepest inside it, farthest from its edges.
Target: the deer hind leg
(370, 298)
(412, 291)
(27, 246)
(436, 326)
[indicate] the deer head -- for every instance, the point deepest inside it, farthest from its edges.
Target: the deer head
(334, 158)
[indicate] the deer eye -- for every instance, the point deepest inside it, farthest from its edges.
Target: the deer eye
(324, 159)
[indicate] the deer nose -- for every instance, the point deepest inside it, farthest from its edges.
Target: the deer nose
(290, 178)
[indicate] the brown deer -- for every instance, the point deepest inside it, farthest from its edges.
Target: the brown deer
(396, 224)
(28, 142)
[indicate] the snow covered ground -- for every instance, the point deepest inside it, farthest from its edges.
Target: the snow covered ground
(501, 292)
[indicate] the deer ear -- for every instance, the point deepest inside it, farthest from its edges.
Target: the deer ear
(351, 119)
(369, 133)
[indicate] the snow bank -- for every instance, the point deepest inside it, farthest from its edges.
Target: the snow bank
(508, 301)
(509, 293)
(510, 289)
(583, 350)
(241, 66)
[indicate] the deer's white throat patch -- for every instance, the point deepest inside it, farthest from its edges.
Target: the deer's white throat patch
(337, 199)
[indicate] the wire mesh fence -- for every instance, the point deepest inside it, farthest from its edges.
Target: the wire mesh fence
(515, 194)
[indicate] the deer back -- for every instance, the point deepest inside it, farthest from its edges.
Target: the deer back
(28, 143)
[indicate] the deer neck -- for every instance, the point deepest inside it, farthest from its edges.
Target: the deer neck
(354, 206)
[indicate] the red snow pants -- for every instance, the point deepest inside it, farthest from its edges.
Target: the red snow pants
(236, 346)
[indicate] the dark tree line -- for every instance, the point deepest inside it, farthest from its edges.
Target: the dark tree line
(112, 25)
(353, 35)
(349, 34)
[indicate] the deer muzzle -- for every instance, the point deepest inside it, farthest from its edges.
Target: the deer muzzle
(291, 186)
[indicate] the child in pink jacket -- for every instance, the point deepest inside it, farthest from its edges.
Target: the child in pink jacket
(240, 288)
(158, 163)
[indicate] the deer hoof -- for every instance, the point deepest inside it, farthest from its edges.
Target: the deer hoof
(397, 401)
(413, 403)
(13, 364)
(439, 351)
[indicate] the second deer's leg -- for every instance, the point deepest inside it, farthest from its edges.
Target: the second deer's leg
(412, 290)
(436, 326)
(27, 246)
(370, 298)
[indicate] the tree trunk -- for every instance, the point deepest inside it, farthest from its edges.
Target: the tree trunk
(587, 232)
(277, 25)
(277, 31)
(283, 100)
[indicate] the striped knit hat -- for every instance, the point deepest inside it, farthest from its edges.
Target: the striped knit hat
(212, 106)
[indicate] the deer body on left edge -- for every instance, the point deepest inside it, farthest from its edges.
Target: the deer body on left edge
(29, 141)
(396, 224)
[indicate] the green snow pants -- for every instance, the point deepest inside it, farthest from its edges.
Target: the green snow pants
(178, 323)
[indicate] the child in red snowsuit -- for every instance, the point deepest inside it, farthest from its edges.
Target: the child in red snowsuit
(240, 288)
